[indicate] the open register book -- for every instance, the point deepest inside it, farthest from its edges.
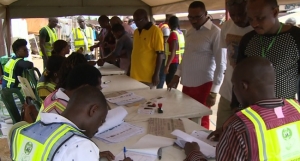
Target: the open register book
(208, 150)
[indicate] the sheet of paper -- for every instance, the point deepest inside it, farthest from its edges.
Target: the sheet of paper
(104, 86)
(164, 127)
(149, 144)
(127, 98)
(120, 133)
(114, 118)
(135, 156)
(146, 111)
(208, 150)
(202, 135)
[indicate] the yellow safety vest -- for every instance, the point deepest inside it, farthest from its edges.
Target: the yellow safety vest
(9, 75)
(48, 45)
(79, 38)
(40, 141)
(45, 89)
(277, 144)
(181, 43)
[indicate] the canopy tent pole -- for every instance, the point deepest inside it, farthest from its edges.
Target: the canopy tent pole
(8, 31)
(226, 11)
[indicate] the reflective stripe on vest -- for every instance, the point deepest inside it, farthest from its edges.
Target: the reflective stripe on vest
(181, 43)
(49, 86)
(56, 104)
(48, 45)
(277, 144)
(39, 141)
(9, 72)
(79, 37)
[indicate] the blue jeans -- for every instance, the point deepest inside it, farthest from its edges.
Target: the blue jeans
(162, 76)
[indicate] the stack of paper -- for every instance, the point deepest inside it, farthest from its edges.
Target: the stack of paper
(114, 129)
(146, 148)
(124, 99)
(202, 135)
(208, 150)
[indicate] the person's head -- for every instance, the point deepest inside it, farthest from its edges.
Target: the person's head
(87, 109)
(53, 65)
(291, 21)
(168, 16)
(71, 61)
(130, 21)
(125, 20)
(117, 30)
(197, 14)
(83, 74)
(253, 80)
(61, 48)
(103, 21)
(140, 18)
(115, 20)
(52, 22)
(237, 12)
(173, 23)
(263, 15)
(20, 48)
(81, 22)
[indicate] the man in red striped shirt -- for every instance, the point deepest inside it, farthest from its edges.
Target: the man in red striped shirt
(267, 129)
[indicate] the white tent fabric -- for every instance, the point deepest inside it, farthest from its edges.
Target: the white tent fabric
(51, 8)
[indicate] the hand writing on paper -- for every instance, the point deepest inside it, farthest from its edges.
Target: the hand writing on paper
(190, 147)
(108, 155)
(173, 83)
(215, 135)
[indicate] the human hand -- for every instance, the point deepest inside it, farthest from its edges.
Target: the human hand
(215, 135)
(92, 48)
(127, 159)
(100, 62)
(108, 155)
(92, 63)
(155, 79)
(166, 70)
(173, 83)
(190, 147)
(211, 99)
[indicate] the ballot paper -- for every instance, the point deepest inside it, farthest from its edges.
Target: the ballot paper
(208, 150)
(120, 133)
(135, 156)
(202, 135)
(149, 144)
(124, 98)
(114, 118)
(164, 127)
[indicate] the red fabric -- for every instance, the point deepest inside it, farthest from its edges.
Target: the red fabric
(200, 94)
(171, 38)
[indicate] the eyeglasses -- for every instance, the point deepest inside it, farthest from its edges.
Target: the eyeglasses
(196, 17)
(232, 2)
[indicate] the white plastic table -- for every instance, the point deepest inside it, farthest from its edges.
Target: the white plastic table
(117, 83)
(110, 69)
(171, 153)
(175, 105)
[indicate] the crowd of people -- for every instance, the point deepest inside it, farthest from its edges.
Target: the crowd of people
(252, 61)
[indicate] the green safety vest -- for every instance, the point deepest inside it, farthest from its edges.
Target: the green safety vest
(9, 75)
(181, 43)
(40, 141)
(79, 38)
(48, 45)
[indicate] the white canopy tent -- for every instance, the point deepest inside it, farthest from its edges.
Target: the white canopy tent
(55, 8)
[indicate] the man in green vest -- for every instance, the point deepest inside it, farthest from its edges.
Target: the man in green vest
(48, 36)
(82, 38)
(67, 136)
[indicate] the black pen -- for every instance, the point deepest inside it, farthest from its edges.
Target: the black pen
(159, 153)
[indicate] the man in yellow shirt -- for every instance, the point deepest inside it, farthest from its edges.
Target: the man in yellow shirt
(147, 53)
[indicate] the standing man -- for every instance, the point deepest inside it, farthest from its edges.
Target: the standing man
(275, 41)
(166, 33)
(203, 64)
(116, 20)
(147, 53)
(82, 38)
(232, 32)
(47, 37)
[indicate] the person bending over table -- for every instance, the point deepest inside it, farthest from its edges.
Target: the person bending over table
(268, 128)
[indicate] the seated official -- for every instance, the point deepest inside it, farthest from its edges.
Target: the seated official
(61, 48)
(49, 79)
(16, 65)
(268, 128)
(65, 137)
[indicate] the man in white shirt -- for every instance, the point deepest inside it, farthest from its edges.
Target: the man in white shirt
(203, 63)
(231, 33)
(82, 38)
(65, 137)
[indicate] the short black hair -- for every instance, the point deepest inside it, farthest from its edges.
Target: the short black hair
(103, 18)
(18, 44)
(58, 46)
(117, 27)
(272, 3)
(53, 65)
(174, 22)
(197, 4)
(83, 74)
(231, 3)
